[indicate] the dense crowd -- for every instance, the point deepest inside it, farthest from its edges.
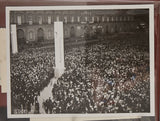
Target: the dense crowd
(31, 71)
(108, 77)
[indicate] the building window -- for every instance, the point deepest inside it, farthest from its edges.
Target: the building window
(116, 18)
(49, 34)
(107, 19)
(78, 19)
(19, 20)
(65, 32)
(30, 20)
(132, 18)
(103, 19)
(121, 18)
(40, 19)
(97, 19)
(49, 19)
(128, 18)
(30, 35)
(86, 19)
(92, 18)
(112, 19)
(57, 18)
(72, 20)
(124, 18)
(65, 19)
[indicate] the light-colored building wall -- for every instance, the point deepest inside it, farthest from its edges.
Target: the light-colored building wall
(40, 24)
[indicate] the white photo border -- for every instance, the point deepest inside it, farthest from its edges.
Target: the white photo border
(85, 7)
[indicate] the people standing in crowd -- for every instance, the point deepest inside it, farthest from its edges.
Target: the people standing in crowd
(107, 77)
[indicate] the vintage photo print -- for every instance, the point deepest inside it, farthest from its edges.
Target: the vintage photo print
(80, 60)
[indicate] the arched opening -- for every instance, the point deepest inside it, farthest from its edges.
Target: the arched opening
(20, 39)
(86, 32)
(99, 30)
(107, 29)
(20, 36)
(40, 34)
(31, 35)
(94, 32)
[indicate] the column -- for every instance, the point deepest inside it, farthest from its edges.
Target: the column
(14, 38)
(72, 19)
(59, 49)
(78, 19)
(103, 19)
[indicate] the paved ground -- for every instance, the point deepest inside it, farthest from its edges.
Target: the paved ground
(45, 94)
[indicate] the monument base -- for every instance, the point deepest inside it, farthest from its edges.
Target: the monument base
(58, 72)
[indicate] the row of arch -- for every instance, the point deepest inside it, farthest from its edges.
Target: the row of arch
(69, 31)
(21, 34)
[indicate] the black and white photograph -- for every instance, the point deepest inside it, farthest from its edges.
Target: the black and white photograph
(80, 60)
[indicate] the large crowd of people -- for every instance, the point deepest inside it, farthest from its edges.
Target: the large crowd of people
(31, 71)
(111, 76)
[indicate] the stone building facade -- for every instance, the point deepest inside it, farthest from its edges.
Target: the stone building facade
(39, 25)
